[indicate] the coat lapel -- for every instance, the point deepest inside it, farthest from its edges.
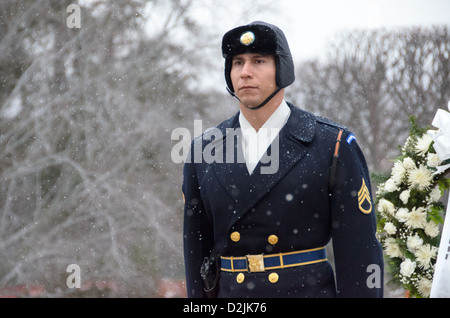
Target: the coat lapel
(246, 190)
(232, 171)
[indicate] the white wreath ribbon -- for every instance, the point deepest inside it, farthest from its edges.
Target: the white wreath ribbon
(441, 137)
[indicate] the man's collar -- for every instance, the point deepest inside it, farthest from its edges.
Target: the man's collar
(301, 124)
(277, 120)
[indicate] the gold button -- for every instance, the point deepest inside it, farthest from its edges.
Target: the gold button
(240, 278)
(273, 278)
(235, 236)
(273, 239)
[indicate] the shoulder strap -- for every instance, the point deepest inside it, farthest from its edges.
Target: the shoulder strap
(335, 159)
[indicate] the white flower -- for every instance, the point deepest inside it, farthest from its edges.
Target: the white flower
(391, 248)
(385, 206)
(408, 144)
(398, 172)
(409, 164)
(404, 196)
(390, 185)
(424, 287)
(435, 194)
(417, 218)
(420, 177)
(402, 215)
(407, 267)
(413, 243)
(390, 228)
(431, 229)
(424, 254)
(433, 160)
(423, 144)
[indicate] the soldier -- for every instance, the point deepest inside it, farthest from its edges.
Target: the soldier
(266, 232)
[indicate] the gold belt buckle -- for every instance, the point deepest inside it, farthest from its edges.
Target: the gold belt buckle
(255, 263)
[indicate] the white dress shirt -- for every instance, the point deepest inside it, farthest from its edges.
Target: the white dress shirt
(255, 143)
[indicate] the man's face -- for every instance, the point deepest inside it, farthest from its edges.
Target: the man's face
(253, 77)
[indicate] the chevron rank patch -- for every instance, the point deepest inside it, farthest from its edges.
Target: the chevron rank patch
(364, 201)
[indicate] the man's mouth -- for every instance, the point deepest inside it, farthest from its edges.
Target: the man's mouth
(247, 87)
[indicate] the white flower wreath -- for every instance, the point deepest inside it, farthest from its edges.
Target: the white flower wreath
(409, 213)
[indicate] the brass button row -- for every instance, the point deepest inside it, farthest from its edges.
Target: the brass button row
(236, 237)
(272, 239)
(273, 278)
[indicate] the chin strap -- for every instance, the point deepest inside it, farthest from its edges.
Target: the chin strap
(260, 105)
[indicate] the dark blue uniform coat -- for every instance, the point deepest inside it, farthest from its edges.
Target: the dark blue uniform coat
(294, 204)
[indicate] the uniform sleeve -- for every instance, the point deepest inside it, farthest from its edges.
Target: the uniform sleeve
(197, 230)
(357, 252)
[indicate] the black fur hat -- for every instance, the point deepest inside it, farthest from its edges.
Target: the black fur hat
(259, 37)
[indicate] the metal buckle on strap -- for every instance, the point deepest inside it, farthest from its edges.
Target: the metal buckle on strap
(255, 263)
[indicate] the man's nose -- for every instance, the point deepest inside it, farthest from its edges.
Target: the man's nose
(247, 69)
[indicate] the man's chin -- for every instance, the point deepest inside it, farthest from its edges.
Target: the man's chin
(250, 103)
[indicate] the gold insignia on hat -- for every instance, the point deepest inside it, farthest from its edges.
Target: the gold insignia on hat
(247, 38)
(364, 202)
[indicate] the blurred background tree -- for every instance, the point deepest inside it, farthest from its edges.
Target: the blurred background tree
(86, 116)
(371, 79)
